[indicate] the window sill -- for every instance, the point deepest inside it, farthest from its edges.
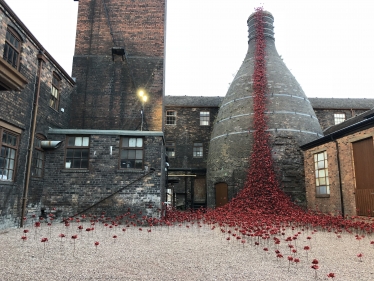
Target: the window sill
(322, 195)
(55, 110)
(136, 171)
(72, 170)
(10, 78)
(5, 182)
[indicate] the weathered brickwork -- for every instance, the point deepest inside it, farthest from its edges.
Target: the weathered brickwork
(326, 116)
(106, 96)
(332, 203)
(73, 190)
(16, 109)
(187, 131)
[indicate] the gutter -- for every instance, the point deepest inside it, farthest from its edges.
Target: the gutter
(41, 59)
(364, 124)
(340, 177)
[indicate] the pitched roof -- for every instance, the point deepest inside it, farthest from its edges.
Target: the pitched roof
(193, 101)
(349, 122)
(340, 103)
(350, 126)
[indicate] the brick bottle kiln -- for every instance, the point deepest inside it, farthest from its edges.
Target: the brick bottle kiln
(291, 122)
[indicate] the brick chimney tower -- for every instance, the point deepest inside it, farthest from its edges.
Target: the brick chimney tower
(291, 123)
(119, 55)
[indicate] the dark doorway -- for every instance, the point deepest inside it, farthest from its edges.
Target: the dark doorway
(221, 194)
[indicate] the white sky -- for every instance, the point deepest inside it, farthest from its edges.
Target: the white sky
(327, 44)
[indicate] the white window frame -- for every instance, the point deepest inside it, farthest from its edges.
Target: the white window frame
(321, 174)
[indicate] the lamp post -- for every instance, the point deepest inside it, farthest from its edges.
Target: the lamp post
(143, 98)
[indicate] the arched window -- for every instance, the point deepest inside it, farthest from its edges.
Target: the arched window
(55, 91)
(12, 48)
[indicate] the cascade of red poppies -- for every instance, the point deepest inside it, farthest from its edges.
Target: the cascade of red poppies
(261, 191)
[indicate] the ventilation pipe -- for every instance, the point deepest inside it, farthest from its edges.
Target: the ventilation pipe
(49, 144)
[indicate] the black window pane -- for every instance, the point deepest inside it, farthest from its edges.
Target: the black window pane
(138, 164)
(76, 163)
(69, 153)
(131, 163)
(84, 163)
(71, 141)
(77, 153)
(85, 153)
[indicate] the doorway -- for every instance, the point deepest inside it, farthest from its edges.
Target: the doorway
(221, 194)
(363, 155)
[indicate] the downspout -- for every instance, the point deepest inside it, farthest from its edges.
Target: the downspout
(41, 59)
(340, 177)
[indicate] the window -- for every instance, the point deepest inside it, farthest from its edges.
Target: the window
(204, 118)
(170, 149)
(37, 158)
(8, 151)
(198, 149)
(321, 174)
(131, 153)
(339, 118)
(12, 48)
(55, 92)
(77, 151)
(171, 117)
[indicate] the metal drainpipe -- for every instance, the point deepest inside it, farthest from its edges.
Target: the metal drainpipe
(41, 59)
(340, 177)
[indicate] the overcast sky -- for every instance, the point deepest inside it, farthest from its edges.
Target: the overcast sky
(327, 44)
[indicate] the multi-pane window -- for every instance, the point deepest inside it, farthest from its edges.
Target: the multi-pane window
(8, 152)
(77, 152)
(37, 159)
(170, 149)
(55, 91)
(131, 153)
(321, 174)
(204, 118)
(12, 48)
(198, 149)
(339, 118)
(171, 117)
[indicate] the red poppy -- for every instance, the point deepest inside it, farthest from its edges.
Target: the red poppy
(331, 275)
(45, 239)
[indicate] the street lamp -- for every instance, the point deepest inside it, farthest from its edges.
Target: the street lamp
(143, 98)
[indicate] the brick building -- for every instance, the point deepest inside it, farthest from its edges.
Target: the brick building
(339, 168)
(35, 94)
(69, 143)
(101, 136)
(188, 126)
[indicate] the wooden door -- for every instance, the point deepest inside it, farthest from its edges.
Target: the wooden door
(221, 194)
(363, 155)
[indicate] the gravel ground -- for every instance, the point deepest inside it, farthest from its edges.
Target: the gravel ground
(176, 253)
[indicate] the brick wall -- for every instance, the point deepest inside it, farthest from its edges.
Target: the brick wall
(326, 116)
(16, 110)
(106, 96)
(73, 190)
(332, 204)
